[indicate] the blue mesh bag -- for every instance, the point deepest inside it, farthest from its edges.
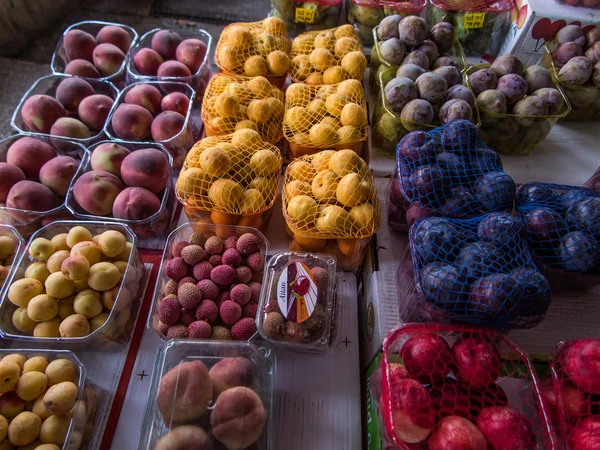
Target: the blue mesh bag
(451, 171)
(563, 226)
(479, 271)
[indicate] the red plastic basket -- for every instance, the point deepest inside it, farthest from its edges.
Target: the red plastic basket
(474, 5)
(433, 373)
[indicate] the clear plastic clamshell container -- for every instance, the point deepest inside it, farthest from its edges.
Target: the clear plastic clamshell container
(8, 263)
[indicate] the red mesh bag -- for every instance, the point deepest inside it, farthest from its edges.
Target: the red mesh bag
(460, 387)
(474, 5)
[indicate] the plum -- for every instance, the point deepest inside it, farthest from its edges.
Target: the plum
(593, 53)
(79, 45)
(460, 92)
(477, 362)
(427, 357)
(450, 74)
(443, 35)
(417, 58)
(147, 61)
(39, 112)
(544, 225)
(93, 110)
(82, 68)
(492, 100)
(431, 87)
(565, 52)
(478, 259)
(505, 428)
(416, 149)
(495, 296)
(165, 42)
(388, 27)
(442, 284)
(414, 213)
(71, 91)
(592, 36)
(571, 33)
(513, 86)
(427, 185)
(415, 114)
(537, 77)
(455, 110)
(534, 193)
(580, 363)
(411, 412)
(596, 75)
(116, 36)
(579, 252)
(191, 52)
(552, 98)
(454, 166)
(500, 229)
(495, 190)
(411, 71)
(485, 160)
(460, 202)
(584, 215)
(399, 92)
(443, 61)
(108, 59)
(436, 239)
(530, 110)
(536, 291)
(430, 49)
(459, 135)
(585, 434)
(572, 196)
(9, 176)
(505, 64)
(577, 71)
(392, 51)
(412, 31)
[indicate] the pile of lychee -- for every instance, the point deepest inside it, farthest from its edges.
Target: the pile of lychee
(328, 57)
(71, 283)
(233, 103)
(8, 247)
(325, 116)
(213, 288)
(255, 49)
(217, 408)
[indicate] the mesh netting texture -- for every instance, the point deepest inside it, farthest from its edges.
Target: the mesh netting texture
(563, 225)
(457, 387)
(474, 5)
(233, 102)
(479, 271)
(451, 171)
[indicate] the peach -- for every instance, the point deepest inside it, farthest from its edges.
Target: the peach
(71, 91)
(95, 191)
(39, 112)
(57, 174)
(31, 196)
(117, 36)
(165, 42)
(79, 45)
(229, 373)
(9, 176)
(93, 110)
(185, 437)
(175, 101)
(135, 203)
(71, 128)
(147, 168)
(167, 125)
(144, 95)
(191, 52)
(109, 158)
(147, 61)
(29, 155)
(108, 59)
(75, 267)
(171, 69)
(82, 68)
(131, 122)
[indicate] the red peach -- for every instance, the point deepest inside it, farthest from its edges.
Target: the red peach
(71, 91)
(108, 59)
(147, 168)
(94, 110)
(167, 125)
(32, 196)
(165, 42)
(144, 95)
(477, 362)
(135, 203)
(117, 36)
(108, 157)
(9, 176)
(39, 113)
(147, 61)
(131, 122)
(58, 173)
(191, 52)
(95, 191)
(70, 128)
(29, 155)
(427, 357)
(173, 69)
(82, 68)
(79, 45)
(176, 101)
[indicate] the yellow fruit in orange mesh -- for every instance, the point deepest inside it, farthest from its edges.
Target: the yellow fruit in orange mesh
(297, 118)
(246, 124)
(301, 170)
(297, 94)
(242, 173)
(297, 187)
(275, 106)
(300, 67)
(302, 210)
(265, 185)
(362, 216)
(246, 139)
(317, 108)
(279, 63)
(215, 161)
(274, 25)
(310, 244)
(256, 66)
(301, 139)
(230, 57)
(352, 89)
(259, 111)
(345, 45)
(193, 182)
(332, 122)
(260, 86)
(271, 131)
(352, 190)
(265, 162)
(325, 91)
(345, 162)
(355, 63)
(335, 103)
(325, 39)
(227, 105)
(320, 160)
(226, 194)
(303, 44)
(240, 91)
(323, 135)
(218, 84)
(230, 148)
(252, 201)
(265, 43)
(324, 186)
(345, 30)
(314, 79)
(349, 134)
(333, 219)
(278, 94)
(221, 218)
(221, 125)
(321, 58)
(353, 115)
(208, 141)
(239, 36)
(334, 75)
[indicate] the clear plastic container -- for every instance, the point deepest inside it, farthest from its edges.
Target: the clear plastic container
(580, 3)
(9, 263)
(81, 425)
(151, 227)
(298, 303)
(25, 221)
(179, 144)
(47, 86)
(198, 81)
(300, 16)
(189, 360)
(59, 57)
(183, 233)
(118, 327)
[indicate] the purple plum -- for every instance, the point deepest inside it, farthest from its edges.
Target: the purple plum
(435, 239)
(428, 185)
(536, 291)
(495, 296)
(478, 259)
(460, 203)
(579, 252)
(585, 215)
(495, 190)
(500, 229)
(416, 149)
(442, 283)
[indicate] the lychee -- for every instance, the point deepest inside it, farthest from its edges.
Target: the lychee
(240, 293)
(199, 330)
(220, 333)
(222, 297)
(256, 262)
(168, 296)
(207, 310)
(189, 295)
(161, 327)
(169, 311)
(184, 280)
(177, 268)
(187, 316)
(202, 270)
(209, 289)
(170, 287)
(250, 310)
(177, 331)
(230, 242)
(197, 239)
(272, 306)
(255, 288)
(223, 275)
(215, 260)
(243, 329)
(214, 245)
(273, 325)
(321, 276)
(243, 275)
(230, 312)
(257, 276)
(193, 254)
(295, 331)
(232, 257)
(177, 247)
(247, 244)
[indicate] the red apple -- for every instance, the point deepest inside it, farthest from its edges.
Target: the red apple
(505, 429)
(580, 362)
(491, 395)
(397, 372)
(585, 434)
(573, 400)
(411, 411)
(477, 362)
(450, 399)
(427, 357)
(456, 433)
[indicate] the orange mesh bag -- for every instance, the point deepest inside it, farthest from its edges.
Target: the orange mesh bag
(231, 180)
(255, 49)
(328, 56)
(331, 205)
(325, 117)
(233, 102)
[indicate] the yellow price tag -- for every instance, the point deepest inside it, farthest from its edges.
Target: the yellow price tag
(474, 20)
(304, 15)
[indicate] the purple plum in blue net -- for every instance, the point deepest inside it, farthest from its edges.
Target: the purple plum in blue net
(416, 149)
(454, 166)
(585, 216)
(428, 185)
(459, 136)
(415, 212)
(579, 252)
(460, 202)
(486, 160)
(500, 229)
(442, 283)
(495, 296)
(544, 225)
(533, 193)
(570, 197)
(435, 239)
(478, 259)
(396, 195)
(495, 190)
(536, 291)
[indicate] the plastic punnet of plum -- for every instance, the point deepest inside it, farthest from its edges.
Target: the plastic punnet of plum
(478, 271)
(451, 171)
(563, 226)
(452, 386)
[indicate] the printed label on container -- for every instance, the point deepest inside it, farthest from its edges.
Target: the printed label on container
(305, 15)
(474, 20)
(297, 292)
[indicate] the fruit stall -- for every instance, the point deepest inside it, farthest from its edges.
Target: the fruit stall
(352, 224)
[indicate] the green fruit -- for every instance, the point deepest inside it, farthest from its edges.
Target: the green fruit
(367, 15)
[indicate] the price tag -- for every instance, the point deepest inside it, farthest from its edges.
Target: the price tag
(474, 20)
(304, 15)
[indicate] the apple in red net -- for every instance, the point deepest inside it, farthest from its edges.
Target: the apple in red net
(397, 371)
(585, 435)
(411, 411)
(580, 362)
(477, 362)
(456, 433)
(450, 399)
(504, 428)
(427, 357)
(491, 395)
(574, 403)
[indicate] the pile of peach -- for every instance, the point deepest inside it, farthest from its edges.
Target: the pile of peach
(8, 246)
(71, 285)
(128, 185)
(39, 401)
(96, 57)
(213, 289)
(34, 178)
(236, 418)
(77, 112)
